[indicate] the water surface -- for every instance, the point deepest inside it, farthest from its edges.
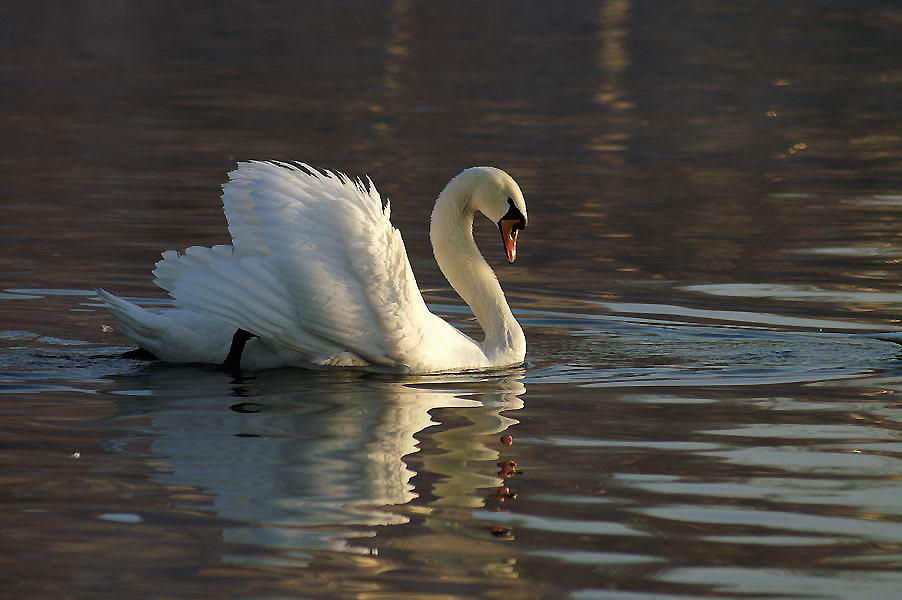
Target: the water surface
(714, 198)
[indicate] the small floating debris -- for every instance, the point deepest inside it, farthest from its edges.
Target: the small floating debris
(106, 329)
(507, 440)
(75, 455)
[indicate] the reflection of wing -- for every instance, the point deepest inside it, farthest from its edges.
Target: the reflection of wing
(310, 475)
(315, 266)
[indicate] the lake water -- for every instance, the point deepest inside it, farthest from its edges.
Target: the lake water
(714, 193)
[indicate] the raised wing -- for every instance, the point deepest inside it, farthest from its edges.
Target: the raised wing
(316, 266)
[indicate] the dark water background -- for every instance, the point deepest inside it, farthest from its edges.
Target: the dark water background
(714, 192)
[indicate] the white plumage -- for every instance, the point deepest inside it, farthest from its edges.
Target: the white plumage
(317, 272)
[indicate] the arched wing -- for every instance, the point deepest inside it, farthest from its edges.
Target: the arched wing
(316, 266)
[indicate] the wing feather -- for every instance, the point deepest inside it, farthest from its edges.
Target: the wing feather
(315, 266)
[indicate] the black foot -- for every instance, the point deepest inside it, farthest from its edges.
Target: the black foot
(232, 363)
(139, 354)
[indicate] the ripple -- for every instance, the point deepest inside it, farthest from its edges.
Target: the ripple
(854, 251)
(863, 494)
(121, 518)
(799, 292)
(817, 583)
(585, 557)
(35, 293)
(865, 527)
(803, 460)
(802, 431)
(570, 442)
(758, 318)
(559, 525)
(775, 540)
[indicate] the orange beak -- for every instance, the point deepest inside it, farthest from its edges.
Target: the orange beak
(509, 232)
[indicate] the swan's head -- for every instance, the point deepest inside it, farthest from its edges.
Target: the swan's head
(497, 196)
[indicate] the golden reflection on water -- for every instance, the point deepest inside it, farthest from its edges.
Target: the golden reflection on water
(613, 18)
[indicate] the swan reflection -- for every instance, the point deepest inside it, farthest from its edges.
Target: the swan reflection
(312, 465)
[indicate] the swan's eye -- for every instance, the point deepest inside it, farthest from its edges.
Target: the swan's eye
(514, 214)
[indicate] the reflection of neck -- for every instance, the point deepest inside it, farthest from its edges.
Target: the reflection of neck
(462, 264)
(393, 423)
(463, 444)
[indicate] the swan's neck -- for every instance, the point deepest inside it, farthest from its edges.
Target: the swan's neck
(455, 250)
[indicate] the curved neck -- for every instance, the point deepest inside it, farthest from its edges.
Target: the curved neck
(451, 233)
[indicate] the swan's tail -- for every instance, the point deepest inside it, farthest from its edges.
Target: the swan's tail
(139, 324)
(173, 335)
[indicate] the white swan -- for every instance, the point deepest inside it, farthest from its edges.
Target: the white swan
(317, 275)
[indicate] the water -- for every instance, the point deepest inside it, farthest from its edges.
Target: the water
(714, 198)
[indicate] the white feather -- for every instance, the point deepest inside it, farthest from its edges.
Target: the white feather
(316, 271)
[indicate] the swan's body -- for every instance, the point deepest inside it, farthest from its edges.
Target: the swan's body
(317, 273)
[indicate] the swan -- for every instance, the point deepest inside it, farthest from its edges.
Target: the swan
(317, 276)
